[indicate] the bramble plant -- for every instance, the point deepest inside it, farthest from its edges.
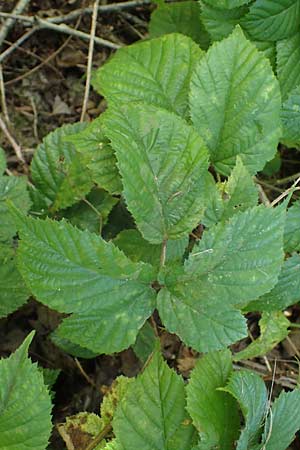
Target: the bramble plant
(181, 114)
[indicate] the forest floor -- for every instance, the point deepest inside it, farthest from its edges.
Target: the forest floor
(43, 82)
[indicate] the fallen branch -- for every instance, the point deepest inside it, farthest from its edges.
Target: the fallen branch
(12, 141)
(90, 61)
(41, 24)
(21, 5)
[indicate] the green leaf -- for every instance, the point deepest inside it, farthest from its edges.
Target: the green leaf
(290, 117)
(91, 214)
(272, 166)
(272, 20)
(233, 263)
(285, 293)
(163, 163)
(220, 22)
(71, 348)
(156, 72)
(13, 189)
(13, 292)
(112, 398)
(98, 156)
(284, 422)
(152, 414)
(250, 391)
(291, 235)
(227, 4)
(132, 243)
(237, 194)
(145, 342)
(241, 191)
(288, 64)
(57, 170)
(25, 405)
(214, 413)
(2, 161)
(235, 104)
(77, 272)
(179, 17)
(273, 329)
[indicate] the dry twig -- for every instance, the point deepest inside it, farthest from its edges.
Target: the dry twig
(46, 24)
(21, 5)
(90, 61)
(12, 141)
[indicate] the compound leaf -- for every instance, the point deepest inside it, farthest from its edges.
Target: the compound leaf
(286, 291)
(288, 64)
(13, 292)
(273, 329)
(13, 189)
(214, 413)
(57, 170)
(235, 104)
(272, 20)
(163, 163)
(284, 422)
(77, 272)
(98, 155)
(25, 405)
(250, 391)
(180, 17)
(234, 262)
(290, 117)
(152, 414)
(156, 72)
(220, 22)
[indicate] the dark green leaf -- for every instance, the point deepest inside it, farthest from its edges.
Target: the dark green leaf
(214, 413)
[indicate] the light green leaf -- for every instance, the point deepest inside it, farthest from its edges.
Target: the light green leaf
(233, 263)
(2, 161)
(285, 293)
(152, 415)
(77, 272)
(214, 413)
(272, 20)
(241, 191)
(237, 194)
(220, 22)
(57, 170)
(156, 72)
(290, 116)
(179, 17)
(250, 391)
(112, 398)
(288, 64)
(25, 405)
(284, 421)
(291, 235)
(132, 243)
(163, 163)
(235, 104)
(13, 189)
(145, 342)
(98, 156)
(13, 292)
(272, 166)
(273, 329)
(227, 4)
(91, 214)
